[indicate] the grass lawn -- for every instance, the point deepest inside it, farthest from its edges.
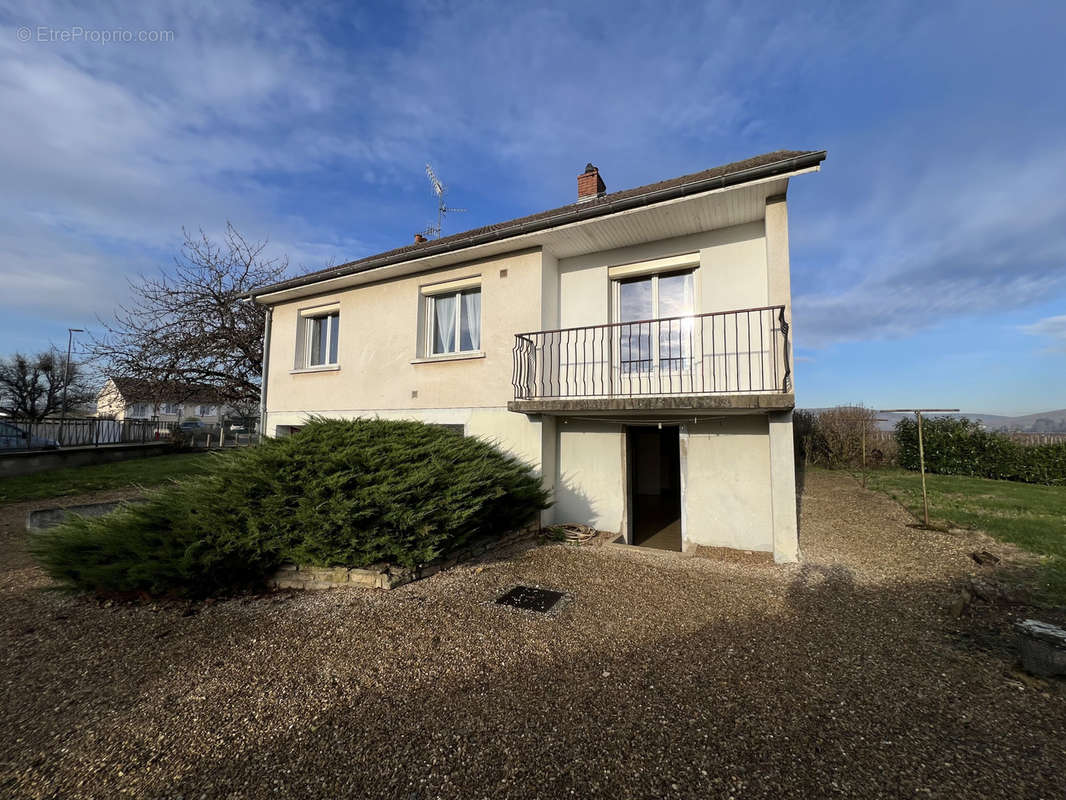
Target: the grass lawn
(99, 477)
(1030, 516)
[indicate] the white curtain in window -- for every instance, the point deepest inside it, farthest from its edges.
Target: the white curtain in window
(444, 324)
(470, 321)
(334, 330)
(318, 341)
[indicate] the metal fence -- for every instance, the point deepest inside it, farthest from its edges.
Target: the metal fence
(723, 352)
(17, 434)
(219, 439)
(1024, 439)
(1034, 439)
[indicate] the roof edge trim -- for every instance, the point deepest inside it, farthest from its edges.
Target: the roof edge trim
(571, 214)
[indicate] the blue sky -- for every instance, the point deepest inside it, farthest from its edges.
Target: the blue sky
(929, 255)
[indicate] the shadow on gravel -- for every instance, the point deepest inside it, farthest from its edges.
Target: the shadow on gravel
(815, 582)
(846, 691)
(713, 684)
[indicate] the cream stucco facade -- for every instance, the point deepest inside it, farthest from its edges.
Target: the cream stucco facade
(733, 452)
(112, 404)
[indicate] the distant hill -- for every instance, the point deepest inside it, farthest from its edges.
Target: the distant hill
(1042, 422)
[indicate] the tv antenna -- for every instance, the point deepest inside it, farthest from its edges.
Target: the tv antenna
(433, 231)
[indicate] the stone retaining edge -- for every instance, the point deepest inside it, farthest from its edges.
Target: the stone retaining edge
(389, 576)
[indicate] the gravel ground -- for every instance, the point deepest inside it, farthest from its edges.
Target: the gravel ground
(663, 677)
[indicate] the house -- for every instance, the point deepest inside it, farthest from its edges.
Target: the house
(133, 398)
(635, 347)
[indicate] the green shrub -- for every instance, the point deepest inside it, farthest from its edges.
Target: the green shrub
(958, 446)
(339, 493)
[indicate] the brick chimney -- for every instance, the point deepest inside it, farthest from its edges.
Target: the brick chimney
(419, 238)
(590, 185)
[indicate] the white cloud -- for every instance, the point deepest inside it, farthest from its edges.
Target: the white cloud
(109, 149)
(1053, 328)
(962, 236)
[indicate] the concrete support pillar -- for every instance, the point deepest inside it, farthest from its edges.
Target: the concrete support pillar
(549, 463)
(778, 287)
(783, 488)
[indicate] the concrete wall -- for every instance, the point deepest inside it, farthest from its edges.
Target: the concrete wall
(23, 463)
(779, 275)
(381, 371)
(514, 433)
(379, 364)
(783, 488)
(737, 475)
(590, 474)
(725, 472)
(732, 273)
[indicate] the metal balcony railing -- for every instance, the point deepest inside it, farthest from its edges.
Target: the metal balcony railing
(724, 352)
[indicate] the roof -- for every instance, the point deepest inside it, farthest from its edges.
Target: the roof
(135, 390)
(738, 172)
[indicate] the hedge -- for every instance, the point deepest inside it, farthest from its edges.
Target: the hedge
(339, 493)
(961, 447)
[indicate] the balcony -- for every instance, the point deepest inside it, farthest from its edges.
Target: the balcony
(721, 360)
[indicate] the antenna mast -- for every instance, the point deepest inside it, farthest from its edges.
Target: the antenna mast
(434, 231)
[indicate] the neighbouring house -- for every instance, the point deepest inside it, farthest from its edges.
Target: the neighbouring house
(134, 398)
(634, 346)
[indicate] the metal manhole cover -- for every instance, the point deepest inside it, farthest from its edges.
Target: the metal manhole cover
(531, 599)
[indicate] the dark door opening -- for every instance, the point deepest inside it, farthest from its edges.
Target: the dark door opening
(654, 479)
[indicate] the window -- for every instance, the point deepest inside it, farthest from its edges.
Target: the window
(659, 308)
(454, 320)
(317, 342)
(206, 411)
(138, 410)
(171, 408)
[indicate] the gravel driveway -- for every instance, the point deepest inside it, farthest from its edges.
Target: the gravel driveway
(663, 677)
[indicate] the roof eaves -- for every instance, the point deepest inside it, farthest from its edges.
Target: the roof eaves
(575, 212)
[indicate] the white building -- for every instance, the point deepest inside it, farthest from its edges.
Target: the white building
(132, 398)
(634, 347)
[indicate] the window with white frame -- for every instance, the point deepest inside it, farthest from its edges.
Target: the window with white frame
(453, 318)
(206, 411)
(171, 408)
(655, 310)
(316, 344)
(138, 411)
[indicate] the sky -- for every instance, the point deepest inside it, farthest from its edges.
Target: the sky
(928, 255)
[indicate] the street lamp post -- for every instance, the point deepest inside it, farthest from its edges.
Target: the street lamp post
(66, 380)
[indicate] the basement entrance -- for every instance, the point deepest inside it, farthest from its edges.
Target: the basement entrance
(653, 457)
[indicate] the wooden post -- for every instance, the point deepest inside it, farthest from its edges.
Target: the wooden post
(864, 452)
(921, 466)
(921, 446)
(863, 420)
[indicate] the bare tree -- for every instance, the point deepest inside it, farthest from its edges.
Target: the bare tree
(840, 431)
(31, 387)
(190, 328)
